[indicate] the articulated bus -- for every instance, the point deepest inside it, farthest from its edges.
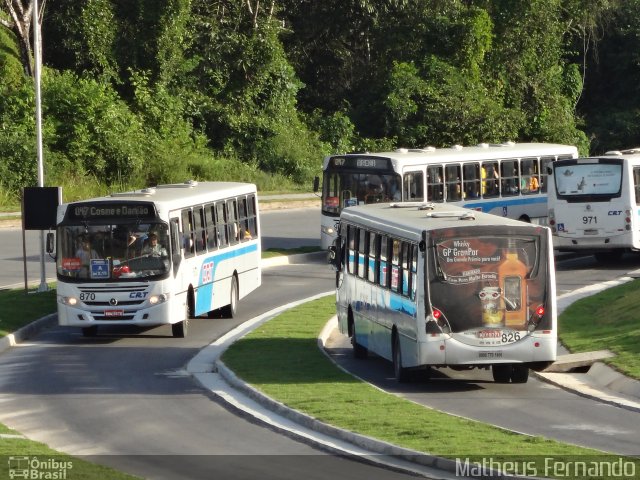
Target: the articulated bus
(436, 285)
(158, 255)
(507, 179)
(594, 204)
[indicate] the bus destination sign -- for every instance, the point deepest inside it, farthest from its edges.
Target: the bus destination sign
(361, 163)
(96, 211)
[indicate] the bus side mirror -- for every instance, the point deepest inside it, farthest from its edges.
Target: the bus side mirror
(549, 170)
(334, 255)
(316, 184)
(50, 244)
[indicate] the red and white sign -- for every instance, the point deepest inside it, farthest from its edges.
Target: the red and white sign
(72, 263)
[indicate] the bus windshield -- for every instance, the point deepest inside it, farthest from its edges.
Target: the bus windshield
(580, 180)
(113, 252)
(347, 188)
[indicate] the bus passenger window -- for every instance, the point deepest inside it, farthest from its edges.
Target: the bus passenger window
(232, 222)
(362, 258)
(471, 179)
(413, 187)
(454, 189)
(545, 162)
(187, 231)
(200, 231)
(384, 267)
(210, 219)
(490, 179)
(351, 233)
(221, 225)
(396, 276)
(435, 188)
(510, 177)
(529, 181)
(371, 276)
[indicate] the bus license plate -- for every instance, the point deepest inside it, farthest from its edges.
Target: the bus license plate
(497, 354)
(591, 231)
(113, 313)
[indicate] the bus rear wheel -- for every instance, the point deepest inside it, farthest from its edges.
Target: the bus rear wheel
(231, 310)
(519, 374)
(502, 372)
(402, 374)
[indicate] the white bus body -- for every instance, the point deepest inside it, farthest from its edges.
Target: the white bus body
(507, 179)
(594, 204)
(446, 287)
(206, 258)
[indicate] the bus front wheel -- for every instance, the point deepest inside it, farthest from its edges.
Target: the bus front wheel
(91, 331)
(401, 373)
(179, 329)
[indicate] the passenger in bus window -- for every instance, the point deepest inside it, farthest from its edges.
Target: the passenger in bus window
(489, 180)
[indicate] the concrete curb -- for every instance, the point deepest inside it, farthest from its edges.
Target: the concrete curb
(27, 331)
(368, 443)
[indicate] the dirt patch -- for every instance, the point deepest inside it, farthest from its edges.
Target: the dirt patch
(10, 223)
(280, 205)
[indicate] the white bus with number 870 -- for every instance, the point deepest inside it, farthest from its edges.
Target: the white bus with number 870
(158, 255)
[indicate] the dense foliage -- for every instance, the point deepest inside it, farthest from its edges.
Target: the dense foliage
(143, 91)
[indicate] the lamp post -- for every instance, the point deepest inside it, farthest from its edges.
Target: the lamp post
(36, 75)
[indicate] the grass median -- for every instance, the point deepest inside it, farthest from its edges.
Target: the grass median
(281, 359)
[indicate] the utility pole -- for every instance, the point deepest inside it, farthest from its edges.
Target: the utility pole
(37, 61)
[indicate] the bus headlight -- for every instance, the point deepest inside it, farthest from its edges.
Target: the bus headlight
(156, 299)
(328, 230)
(71, 301)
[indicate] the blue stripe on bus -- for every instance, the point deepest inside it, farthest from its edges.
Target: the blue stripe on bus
(487, 206)
(204, 297)
(397, 302)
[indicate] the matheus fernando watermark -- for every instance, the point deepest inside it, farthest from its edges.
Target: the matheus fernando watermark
(39, 468)
(549, 467)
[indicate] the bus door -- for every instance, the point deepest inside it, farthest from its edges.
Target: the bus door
(413, 186)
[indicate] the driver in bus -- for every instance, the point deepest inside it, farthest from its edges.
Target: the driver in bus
(375, 191)
(153, 248)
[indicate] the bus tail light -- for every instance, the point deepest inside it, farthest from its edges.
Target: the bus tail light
(551, 220)
(540, 311)
(627, 219)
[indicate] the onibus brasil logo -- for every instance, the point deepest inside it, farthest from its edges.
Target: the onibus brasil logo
(38, 468)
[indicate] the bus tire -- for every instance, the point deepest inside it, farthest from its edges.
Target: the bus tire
(231, 310)
(358, 350)
(402, 374)
(179, 329)
(91, 331)
(519, 373)
(609, 256)
(501, 372)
